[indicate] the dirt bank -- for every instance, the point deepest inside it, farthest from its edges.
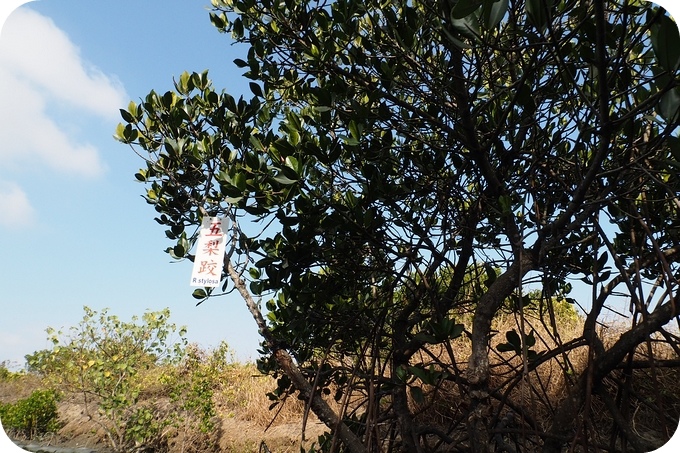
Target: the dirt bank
(79, 434)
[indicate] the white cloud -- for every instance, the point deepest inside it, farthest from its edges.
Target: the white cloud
(29, 137)
(15, 208)
(36, 50)
(6, 8)
(39, 65)
(42, 72)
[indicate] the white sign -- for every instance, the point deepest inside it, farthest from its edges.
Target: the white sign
(210, 249)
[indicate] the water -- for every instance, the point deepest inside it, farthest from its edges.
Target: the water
(36, 448)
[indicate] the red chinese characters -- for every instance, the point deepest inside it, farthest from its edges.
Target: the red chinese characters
(207, 270)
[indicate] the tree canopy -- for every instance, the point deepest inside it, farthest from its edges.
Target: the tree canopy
(403, 173)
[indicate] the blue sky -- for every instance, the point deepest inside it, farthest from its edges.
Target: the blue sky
(74, 229)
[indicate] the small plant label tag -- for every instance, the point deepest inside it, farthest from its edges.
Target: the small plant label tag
(207, 271)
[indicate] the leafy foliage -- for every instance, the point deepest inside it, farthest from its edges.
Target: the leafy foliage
(191, 382)
(102, 360)
(6, 374)
(32, 416)
(393, 156)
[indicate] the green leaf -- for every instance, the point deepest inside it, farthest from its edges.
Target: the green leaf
(293, 163)
(218, 21)
(532, 356)
(240, 63)
(424, 337)
(494, 11)
(257, 144)
(602, 260)
(199, 293)
(184, 80)
(490, 274)
(513, 338)
(536, 10)
(127, 116)
(417, 394)
(467, 26)
(505, 203)
(666, 43)
(120, 132)
(505, 347)
(256, 287)
(401, 374)
(421, 374)
(349, 140)
(464, 8)
(240, 181)
(179, 251)
(173, 147)
(530, 339)
(674, 145)
(256, 89)
(355, 130)
(456, 331)
(284, 180)
(168, 99)
(669, 106)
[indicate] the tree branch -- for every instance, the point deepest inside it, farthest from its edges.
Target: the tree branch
(285, 361)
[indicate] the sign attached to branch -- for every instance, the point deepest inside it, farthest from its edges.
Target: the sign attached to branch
(207, 271)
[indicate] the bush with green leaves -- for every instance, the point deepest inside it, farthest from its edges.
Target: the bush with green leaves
(32, 416)
(192, 382)
(102, 360)
(6, 374)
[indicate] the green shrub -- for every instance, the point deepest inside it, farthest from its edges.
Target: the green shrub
(105, 360)
(6, 375)
(32, 416)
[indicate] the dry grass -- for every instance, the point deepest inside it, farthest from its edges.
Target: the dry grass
(646, 397)
(19, 387)
(246, 419)
(651, 403)
(243, 393)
